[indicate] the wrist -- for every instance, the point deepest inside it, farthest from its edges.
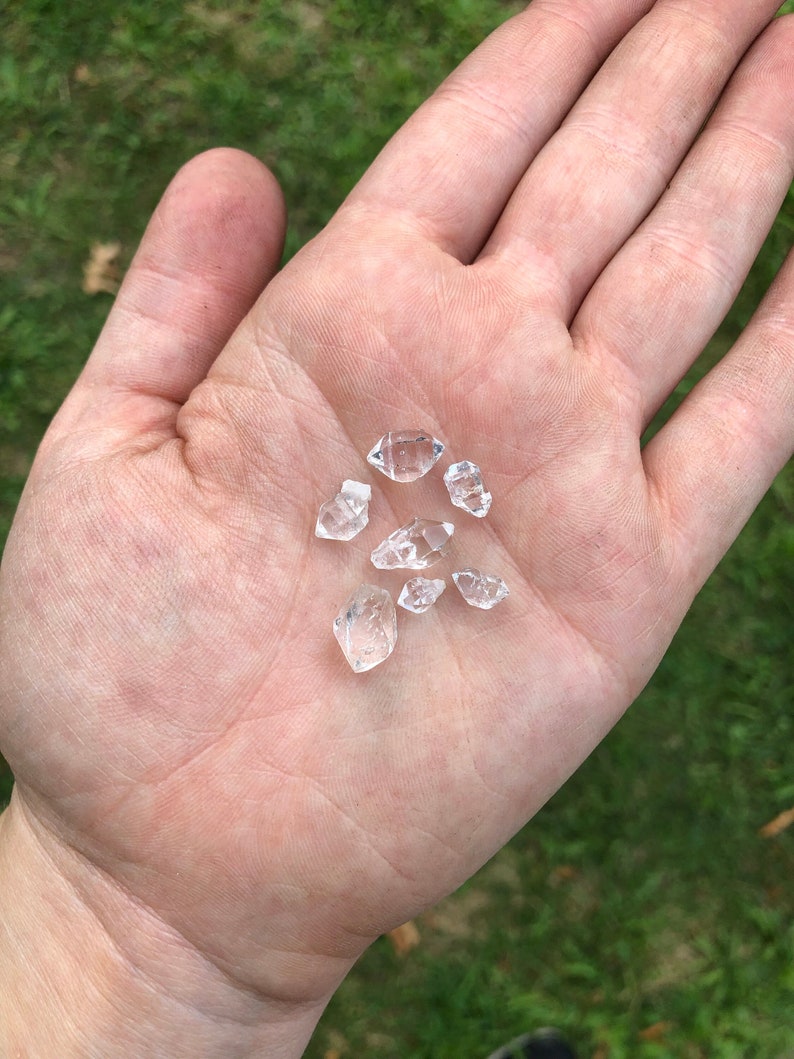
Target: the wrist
(86, 970)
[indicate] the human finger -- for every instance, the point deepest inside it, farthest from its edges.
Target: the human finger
(718, 454)
(213, 243)
(599, 176)
(660, 300)
(452, 167)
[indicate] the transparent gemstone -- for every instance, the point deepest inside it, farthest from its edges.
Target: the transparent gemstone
(480, 590)
(405, 455)
(419, 594)
(464, 483)
(366, 628)
(346, 515)
(418, 544)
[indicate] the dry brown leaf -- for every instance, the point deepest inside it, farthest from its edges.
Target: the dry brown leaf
(332, 1053)
(780, 823)
(657, 1032)
(84, 75)
(404, 938)
(563, 873)
(101, 272)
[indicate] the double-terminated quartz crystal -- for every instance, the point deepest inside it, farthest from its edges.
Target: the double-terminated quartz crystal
(419, 594)
(464, 484)
(366, 627)
(480, 590)
(405, 455)
(346, 515)
(418, 544)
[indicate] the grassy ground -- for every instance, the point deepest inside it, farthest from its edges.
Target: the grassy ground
(641, 910)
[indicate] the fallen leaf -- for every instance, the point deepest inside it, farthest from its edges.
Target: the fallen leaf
(101, 272)
(84, 75)
(780, 823)
(404, 938)
(333, 1053)
(657, 1032)
(563, 873)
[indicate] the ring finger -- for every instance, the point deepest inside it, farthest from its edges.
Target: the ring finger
(660, 300)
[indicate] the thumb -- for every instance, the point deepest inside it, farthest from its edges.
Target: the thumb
(213, 243)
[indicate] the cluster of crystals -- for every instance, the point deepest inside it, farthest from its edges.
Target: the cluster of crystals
(366, 626)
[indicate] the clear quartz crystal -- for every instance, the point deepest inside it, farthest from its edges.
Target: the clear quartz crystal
(346, 515)
(405, 455)
(419, 594)
(464, 483)
(415, 546)
(480, 590)
(366, 628)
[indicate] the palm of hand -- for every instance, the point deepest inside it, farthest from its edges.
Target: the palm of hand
(181, 713)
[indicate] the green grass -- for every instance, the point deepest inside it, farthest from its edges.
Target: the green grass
(643, 893)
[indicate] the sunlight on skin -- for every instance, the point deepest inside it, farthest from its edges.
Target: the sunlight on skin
(210, 800)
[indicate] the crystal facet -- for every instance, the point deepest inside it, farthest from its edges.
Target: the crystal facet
(366, 628)
(405, 455)
(464, 483)
(480, 590)
(418, 544)
(419, 594)
(346, 515)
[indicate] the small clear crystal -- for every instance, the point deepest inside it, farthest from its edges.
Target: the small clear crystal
(480, 590)
(405, 455)
(418, 544)
(366, 627)
(346, 515)
(419, 594)
(464, 483)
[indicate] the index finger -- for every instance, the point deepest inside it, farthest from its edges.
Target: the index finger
(452, 167)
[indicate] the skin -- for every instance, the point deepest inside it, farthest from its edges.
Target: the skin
(213, 815)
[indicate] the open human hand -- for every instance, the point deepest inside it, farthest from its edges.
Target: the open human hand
(225, 812)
